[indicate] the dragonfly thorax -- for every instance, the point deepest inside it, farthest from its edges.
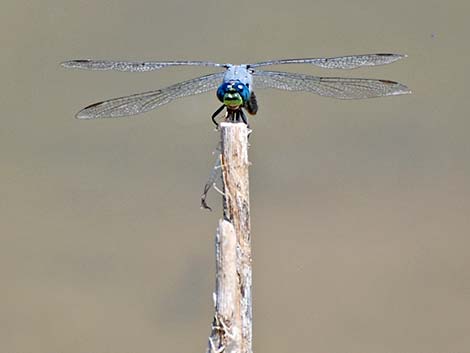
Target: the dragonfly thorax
(233, 94)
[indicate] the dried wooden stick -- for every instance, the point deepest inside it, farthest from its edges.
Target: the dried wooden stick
(232, 325)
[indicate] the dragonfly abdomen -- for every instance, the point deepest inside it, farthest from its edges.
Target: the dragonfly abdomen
(251, 105)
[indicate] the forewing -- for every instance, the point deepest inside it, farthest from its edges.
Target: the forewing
(337, 87)
(339, 62)
(133, 66)
(143, 102)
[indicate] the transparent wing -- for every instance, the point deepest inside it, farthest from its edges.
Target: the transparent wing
(339, 62)
(143, 102)
(133, 66)
(337, 87)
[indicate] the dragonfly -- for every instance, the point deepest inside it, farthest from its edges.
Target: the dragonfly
(235, 85)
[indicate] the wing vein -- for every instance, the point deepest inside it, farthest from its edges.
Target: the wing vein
(143, 102)
(336, 87)
(339, 62)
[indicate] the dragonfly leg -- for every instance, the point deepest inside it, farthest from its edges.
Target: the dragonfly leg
(243, 117)
(236, 116)
(215, 115)
(230, 117)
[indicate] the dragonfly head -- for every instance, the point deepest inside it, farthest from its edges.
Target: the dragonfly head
(233, 93)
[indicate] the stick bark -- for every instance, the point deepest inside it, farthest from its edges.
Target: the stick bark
(232, 325)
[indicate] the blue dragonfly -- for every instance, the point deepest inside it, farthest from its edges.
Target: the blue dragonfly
(236, 84)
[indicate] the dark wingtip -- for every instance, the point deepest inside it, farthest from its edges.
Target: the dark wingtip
(83, 114)
(73, 64)
(393, 54)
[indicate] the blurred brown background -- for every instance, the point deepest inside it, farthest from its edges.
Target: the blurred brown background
(360, 209)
